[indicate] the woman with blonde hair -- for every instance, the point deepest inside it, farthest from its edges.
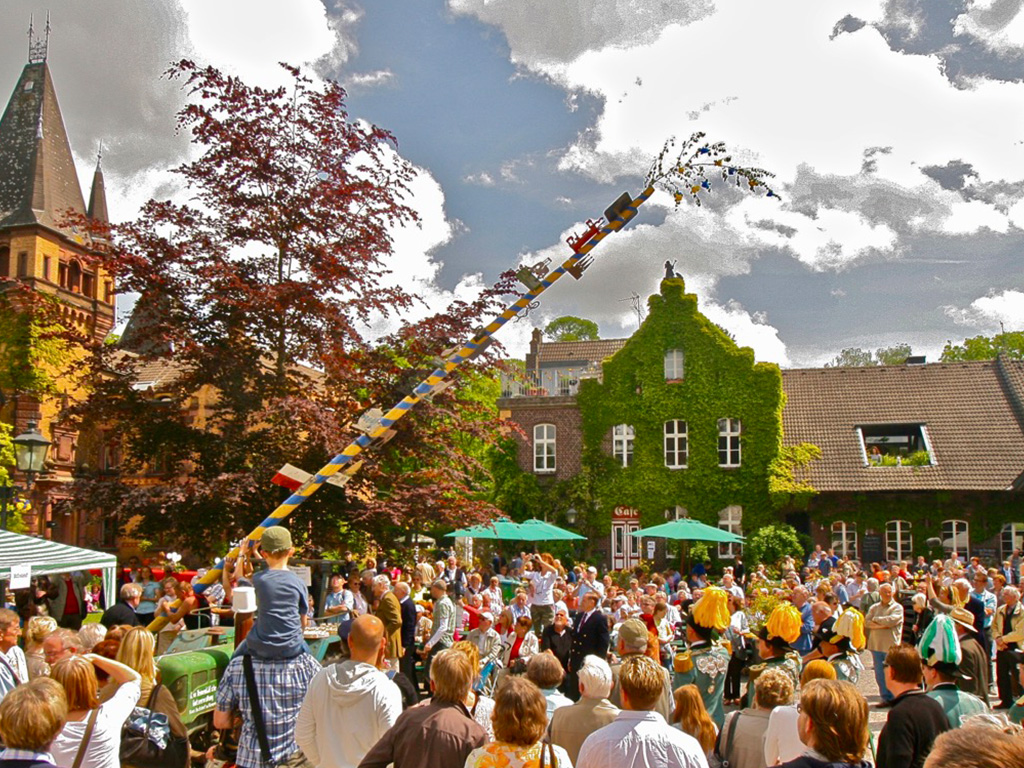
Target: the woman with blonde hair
(38, 629)
(833, 725)
(93, 727)
(136, 652)
(690, 716)
(480, 707)
(520, 720)
(31, 716)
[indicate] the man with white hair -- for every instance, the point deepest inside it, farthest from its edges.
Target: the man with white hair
(123, 611)
(590, 584)
(570, 726)
(389, 611)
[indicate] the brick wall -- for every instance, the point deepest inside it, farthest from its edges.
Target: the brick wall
(527, 412)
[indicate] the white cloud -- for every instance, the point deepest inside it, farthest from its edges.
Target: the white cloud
(482, 179)
(999, 23)
(370, 79)
(786, 102)
(249, 38)
(1006, 307)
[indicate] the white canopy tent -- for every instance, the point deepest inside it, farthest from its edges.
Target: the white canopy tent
(47, 557)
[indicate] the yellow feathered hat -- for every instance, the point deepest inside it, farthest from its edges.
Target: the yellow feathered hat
(712, 610)
(851, 626)
(785, 622)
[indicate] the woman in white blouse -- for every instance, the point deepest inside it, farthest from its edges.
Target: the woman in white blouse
(77, 675)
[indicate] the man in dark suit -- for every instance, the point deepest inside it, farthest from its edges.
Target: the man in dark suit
(589, 636)
(123, 611)
(407, 664)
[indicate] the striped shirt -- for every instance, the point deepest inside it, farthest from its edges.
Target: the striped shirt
(281, 684)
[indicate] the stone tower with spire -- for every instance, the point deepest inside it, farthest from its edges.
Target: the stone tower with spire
(43, 251)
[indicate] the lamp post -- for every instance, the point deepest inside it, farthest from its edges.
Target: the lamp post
(30, 449)
(570, 516)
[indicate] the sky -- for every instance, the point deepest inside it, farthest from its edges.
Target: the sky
(893, 127)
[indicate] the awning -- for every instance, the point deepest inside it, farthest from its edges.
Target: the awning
(48, 557)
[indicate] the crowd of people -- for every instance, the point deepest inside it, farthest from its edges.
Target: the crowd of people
(528, 664)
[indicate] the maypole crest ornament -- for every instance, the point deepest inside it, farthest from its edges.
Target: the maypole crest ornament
(690, 167)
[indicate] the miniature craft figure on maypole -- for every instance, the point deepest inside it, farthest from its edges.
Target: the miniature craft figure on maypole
(689, 175)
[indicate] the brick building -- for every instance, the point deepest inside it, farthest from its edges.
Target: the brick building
(916, 459)
(41, 251)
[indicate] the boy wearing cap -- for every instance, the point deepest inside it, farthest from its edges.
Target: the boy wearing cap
(281, 600)
(940, 652)
(708, 662)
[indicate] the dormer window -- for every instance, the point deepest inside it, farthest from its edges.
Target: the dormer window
(674, 363)
(895, 445)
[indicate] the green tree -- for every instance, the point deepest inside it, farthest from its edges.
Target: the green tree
(855, 357)
(894, 355)
(770, 543)
(569, 328)
(1010, 344)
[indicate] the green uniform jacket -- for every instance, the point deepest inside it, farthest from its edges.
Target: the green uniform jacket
(957, 704)
(790, 663)
(847, 667)
(710, 663)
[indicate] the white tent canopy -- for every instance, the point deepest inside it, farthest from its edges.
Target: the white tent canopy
(48, 557)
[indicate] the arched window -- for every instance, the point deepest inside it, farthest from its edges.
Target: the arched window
(674, 365)
(955, 538)
(899, 541)
(677, 451)
(622, 443)
(1010, 539)
(544, 448)
(844, 539)
(729, 442)
(730, 519)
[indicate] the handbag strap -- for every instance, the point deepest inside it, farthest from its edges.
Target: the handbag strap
(149, 708)
(257, 710)
(89, 728)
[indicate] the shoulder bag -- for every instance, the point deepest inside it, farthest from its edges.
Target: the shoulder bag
(147, 741)
(296, 759)
(720, 757)
(89, 728)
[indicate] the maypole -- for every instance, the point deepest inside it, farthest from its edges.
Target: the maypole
(687, 174)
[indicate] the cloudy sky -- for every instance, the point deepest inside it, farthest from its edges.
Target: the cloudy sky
(894, 128)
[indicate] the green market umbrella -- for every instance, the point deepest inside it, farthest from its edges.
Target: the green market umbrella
(504, 530)
(688, 529)
(539, 530)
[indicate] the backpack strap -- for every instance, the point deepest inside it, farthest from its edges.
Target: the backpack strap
(257, 710)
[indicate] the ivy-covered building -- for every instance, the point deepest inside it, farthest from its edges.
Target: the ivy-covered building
(679, 421)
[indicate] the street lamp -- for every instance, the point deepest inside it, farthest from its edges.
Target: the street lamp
(570, 516)
(30, 449)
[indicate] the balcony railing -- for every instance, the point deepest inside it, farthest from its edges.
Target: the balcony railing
(549, 383)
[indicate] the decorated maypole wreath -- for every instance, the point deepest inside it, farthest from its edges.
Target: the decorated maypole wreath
(686, 173)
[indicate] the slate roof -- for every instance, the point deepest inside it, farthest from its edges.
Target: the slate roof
(973, 426)
(576, 351)
(38, 183)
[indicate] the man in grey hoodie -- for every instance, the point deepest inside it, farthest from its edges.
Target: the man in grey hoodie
(350, 705)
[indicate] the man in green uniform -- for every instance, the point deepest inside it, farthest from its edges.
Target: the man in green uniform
(773, 646)
(707, 662)
(940, 651)
(843, 647)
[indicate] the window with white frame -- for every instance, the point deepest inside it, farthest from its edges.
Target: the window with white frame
(676, 445)
(730, 519)
(955, 538)
(674, 364)
(899, 541)
(676, 513)
(622, 444)
(844, 539)
(1010, 539)
(729, 442)
(544, 448)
